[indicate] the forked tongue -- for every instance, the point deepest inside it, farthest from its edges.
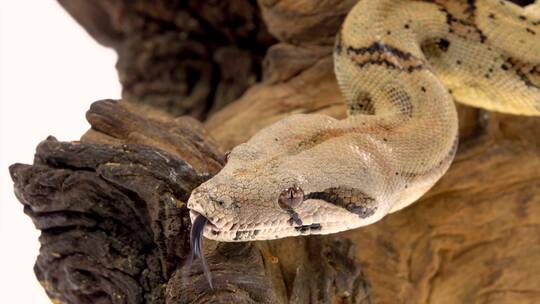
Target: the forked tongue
(196, 240)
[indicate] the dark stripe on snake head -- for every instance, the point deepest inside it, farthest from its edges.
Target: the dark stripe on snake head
(353, 200)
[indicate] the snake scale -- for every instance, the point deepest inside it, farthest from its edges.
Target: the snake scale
(399, 64)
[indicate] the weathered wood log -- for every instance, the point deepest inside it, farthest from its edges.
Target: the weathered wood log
(112, 217)
(112, 207)
(185, 57)
(115, 227)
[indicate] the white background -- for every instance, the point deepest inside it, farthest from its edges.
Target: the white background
(50, 72)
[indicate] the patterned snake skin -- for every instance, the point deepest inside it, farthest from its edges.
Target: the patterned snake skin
(400, 65)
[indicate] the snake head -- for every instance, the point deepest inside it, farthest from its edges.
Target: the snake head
(290, 179)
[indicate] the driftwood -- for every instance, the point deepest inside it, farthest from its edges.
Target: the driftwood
(184, 57)
(111, 207)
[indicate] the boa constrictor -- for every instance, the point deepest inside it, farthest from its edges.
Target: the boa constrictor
(399, 65)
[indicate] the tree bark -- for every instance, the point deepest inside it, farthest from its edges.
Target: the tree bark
(111, 207)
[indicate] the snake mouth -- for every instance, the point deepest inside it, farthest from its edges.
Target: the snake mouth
(208, 226)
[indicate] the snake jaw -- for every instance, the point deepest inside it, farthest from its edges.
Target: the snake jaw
(209, 225)
(213, 226)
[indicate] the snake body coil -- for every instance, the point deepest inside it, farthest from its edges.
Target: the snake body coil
(400, 65)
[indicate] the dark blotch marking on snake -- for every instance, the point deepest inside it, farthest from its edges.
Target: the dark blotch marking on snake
(306, 228)
(454, 23)
(528, 73)
(196, 241)
(363, 104)
(353, 200)
(409, 63)
(242, 234)
(471, 9)
(295, 218)
(443, 44)
(378, 47)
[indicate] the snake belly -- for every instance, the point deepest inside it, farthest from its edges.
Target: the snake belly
(400, 65)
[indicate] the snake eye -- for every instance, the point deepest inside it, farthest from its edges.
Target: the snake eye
(291, 198)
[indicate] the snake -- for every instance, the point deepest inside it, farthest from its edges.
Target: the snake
(400, 65)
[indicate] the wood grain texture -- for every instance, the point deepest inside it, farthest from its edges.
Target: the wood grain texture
(184, 57)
